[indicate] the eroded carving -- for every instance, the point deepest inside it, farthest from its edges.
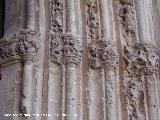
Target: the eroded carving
(140, 58)
(56, 30)
(102, 53)
(128, 20)
(134, 96)
(71, 48)
(66, 49)
(23, 44)
(92, 20)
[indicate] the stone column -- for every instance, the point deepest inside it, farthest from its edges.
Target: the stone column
(110, 93)
(105, 20)
(71, 58)
(145, 20)
(103, 55)
(152, 99)
(110, 79)
(71, 91)
(70, 17)
(30, 14)
(27, 89)
(55, 81)
(150, 76)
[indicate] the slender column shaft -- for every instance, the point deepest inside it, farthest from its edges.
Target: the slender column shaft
(152, 100)
(27, 92)
(110, 94)
(145, 23)
(71, 68)
(109, 73)
(70, 17)
(54, 92)
(30, 14)
(105, 25)
(71, 103)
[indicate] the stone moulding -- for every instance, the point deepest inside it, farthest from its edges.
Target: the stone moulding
(92, 20)
(65, 49)
(24, 45)
(102, 53)
(127, 15)
(134, 96)
(56, 13)
(140, 58)
(56, 30)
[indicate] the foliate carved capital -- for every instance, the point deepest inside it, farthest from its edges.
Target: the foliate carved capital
(140, 59)
(23, 45)
(71, 48)
(65, 49)
(102, 53)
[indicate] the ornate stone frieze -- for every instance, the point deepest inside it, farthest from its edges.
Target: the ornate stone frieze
(56, 30)
(140, 59)
(102, 53)
(20, 46)
(92, 20)
(128, 22)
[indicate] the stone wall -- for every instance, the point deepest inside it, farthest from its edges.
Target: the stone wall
(80, 60)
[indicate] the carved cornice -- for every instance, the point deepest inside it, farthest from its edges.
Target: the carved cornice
(140, 59)
(127, 14)
(24, 45)
(102, 53)
(92, 20)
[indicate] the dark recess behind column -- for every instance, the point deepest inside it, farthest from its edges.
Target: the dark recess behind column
(2, 17)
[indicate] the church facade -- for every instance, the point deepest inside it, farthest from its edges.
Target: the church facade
(79, 60)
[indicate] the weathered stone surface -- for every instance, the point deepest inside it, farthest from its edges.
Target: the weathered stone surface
(102, 54)
(80, 60)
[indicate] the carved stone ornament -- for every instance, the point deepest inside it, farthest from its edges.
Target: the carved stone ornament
(23, 45)
(56, 13)
(92, 20)
(66, 49)
(71, 49)
(102, 53)
(134, 96)
(56, 30)
(128, 23)
(141, 58)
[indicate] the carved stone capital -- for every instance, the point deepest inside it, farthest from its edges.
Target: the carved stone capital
(71, 49)
(140, 59)
(65, 49)
(23, 45)
(102, 53)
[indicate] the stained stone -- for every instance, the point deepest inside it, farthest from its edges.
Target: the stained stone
(79, 60)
